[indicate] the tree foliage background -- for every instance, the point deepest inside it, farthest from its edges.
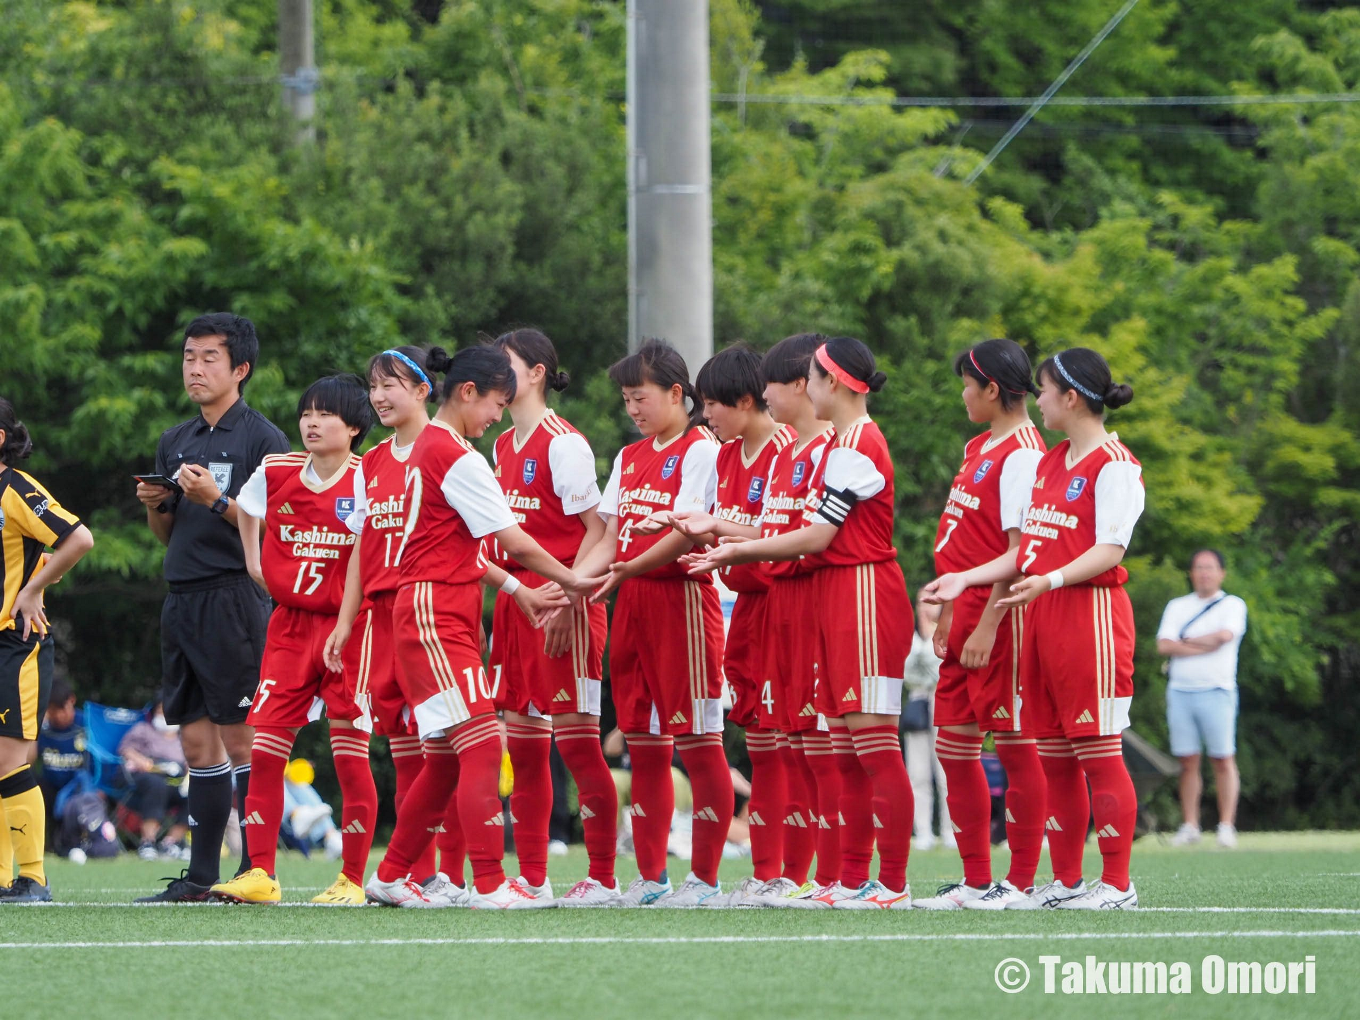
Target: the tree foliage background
(469, 174)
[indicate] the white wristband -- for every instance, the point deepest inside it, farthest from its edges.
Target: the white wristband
(510, 585)
(1055, 580)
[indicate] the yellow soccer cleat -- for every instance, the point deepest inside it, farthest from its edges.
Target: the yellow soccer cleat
(255, 886)
(342, 893)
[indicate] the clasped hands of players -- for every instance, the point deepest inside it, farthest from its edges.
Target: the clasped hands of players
(717, 552)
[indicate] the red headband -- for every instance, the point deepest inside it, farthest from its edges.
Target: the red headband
(824, 359)
(973, 358)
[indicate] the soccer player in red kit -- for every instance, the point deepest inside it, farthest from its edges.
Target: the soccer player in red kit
(865, 619)
(665, 653)
(303, 500)
(979, 689)
(452, 502)
(1077, 655)
(547, 683)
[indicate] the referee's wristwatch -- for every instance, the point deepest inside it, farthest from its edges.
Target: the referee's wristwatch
(220, 505)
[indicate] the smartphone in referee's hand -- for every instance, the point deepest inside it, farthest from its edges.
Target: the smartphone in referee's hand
(162, 480)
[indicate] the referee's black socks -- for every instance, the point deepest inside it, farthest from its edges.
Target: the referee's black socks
(242, 775)
(209, 812)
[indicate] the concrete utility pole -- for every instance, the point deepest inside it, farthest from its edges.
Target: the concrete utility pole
(297, 65)
(670, 212)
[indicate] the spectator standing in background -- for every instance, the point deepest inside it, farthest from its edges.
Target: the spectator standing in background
(1201, 633)
(154, 762)
(922, 673)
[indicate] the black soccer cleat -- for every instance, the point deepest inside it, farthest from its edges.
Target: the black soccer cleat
(179, 890)
(26, 890)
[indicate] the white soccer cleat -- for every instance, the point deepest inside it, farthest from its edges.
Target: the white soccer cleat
(404, 892)
(509, 895)
(1227, 835)
(441, 891)
(1186, 835)
(821, 897)
(695, 892)
(776, 893)
(954, 896)
(542, 894)
(1047, 896)
(642, 893)
(1000, 896)
(746, 894)
(592, 893)
(874, 895)
(1102, 896)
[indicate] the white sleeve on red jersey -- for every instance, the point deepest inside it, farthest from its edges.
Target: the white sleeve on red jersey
(357, 516)
(253, 499)
(1119, 502)
(1017, 485)
(850, 476)
(609, 499)
(573, 473)
(698, 478)
(472, 490)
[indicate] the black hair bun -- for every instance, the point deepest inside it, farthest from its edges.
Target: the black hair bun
(1118, 394)
(437, 360)
(876, 381)
(559, 381)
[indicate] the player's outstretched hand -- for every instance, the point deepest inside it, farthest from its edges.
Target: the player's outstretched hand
(655, 524)
(945, 588)
(1024, 591)
(335, 647)
(694, 523)
(721, 555)
(542, 603)
(618, 573)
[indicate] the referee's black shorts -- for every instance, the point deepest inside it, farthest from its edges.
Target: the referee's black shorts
(212, 638)
(25, 682)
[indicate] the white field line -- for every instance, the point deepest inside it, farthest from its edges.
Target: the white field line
(681, 940)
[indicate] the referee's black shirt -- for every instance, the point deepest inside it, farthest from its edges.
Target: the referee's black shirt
(203, 545)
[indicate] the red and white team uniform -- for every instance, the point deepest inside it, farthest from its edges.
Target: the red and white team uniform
(793, 643)
(1078, 641)
(306, 551)
(988, 498)
(380, 518)
(452, 502)
(741, 495)
(864, 649)
(549, 483)
(665, 660)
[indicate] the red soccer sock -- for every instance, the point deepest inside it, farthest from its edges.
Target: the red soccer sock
(826, 788)
(970, 803)
(531, 799)
(856, 811)
(653, 801)
(579, 745)
(800, 832)
(264, 801)
(1026, 793)
(1113, 804)
(1068, 807)
(894, 805)
(359, 800)
(448, 837)
(478, 744)
(769, 801)
(408, 759)
(420, 813)
(711, 780)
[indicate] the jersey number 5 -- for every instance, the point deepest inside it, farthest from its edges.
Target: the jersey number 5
(1031, 553)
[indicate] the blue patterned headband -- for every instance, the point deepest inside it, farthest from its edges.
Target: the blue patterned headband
(1057, 361)
(420, 372)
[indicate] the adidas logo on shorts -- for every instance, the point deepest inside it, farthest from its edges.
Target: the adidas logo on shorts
(562, 695)
(822, 823)
(1001, 713)
(707, 814)
(253, 819)
(495, 820)
(1085, 716)
(1107, 831)
(243, 703)
(1052, 825)
(1010, 817)
(796, 819)
(808, 710)
(678, 718)
(850, 696)
(586, 813)
(755, 819)
(354, 828)
(637, 811)
(877, 823)
(436, 830)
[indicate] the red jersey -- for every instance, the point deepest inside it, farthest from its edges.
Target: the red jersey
(452, 502)
(680, 475)
(791, 474)
(549, 482)
(1095, 501)
(988, 498)
(853, 489)
(741, 494)
(307, 542)
(380, 514)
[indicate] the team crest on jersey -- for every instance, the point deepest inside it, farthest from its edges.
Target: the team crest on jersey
(753, 492)
(221, 474)
(799, 470)
(981, 472)
(668, 468)
(344, 506)
(530, 471)
(1075, 488)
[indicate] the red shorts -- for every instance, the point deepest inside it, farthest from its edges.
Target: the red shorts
(371, 658)
(665, 657)
(866, 626)
(793, 646)
(526, 680)
(991, 696)
(295, 685)
(438, 630)
(745, 658)
(1077, 661)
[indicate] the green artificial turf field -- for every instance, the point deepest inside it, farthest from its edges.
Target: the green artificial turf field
(1278, 898)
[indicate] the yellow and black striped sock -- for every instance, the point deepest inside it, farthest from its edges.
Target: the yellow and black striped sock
(27, 821)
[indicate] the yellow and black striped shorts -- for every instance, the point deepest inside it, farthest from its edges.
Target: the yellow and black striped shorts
(25, 683)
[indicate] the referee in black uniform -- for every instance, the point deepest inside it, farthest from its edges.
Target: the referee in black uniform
(214, 619)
